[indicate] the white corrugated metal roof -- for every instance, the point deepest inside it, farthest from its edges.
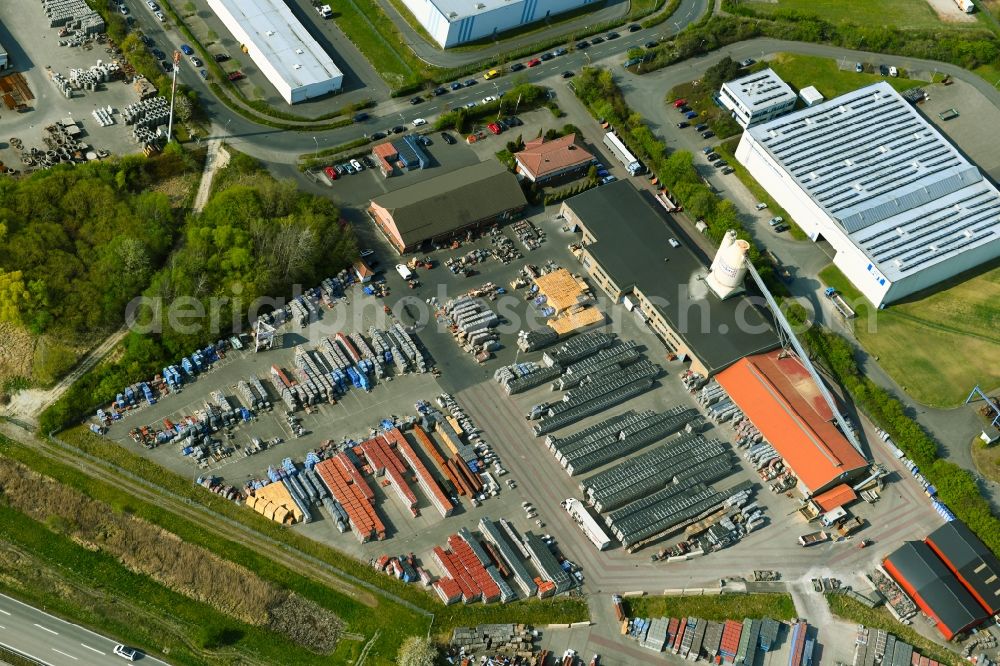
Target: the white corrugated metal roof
(760, 90)
(283, 40)
(897, 187)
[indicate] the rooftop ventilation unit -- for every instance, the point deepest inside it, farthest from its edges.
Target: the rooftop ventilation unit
(452, 15)
(480, 5)
(269, 33)
(296, 66)
(299, 51)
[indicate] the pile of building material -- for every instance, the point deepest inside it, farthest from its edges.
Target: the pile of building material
(555, 578)
(74, 14)
(92, 77)
(578, 348)
(508, 639)
(519, 377)
(406, 343)
(656, 634)
(509, 557)
(147, 113)
(536, 338)
(345, 484)
(472, 324)
(607, 388)
(103, 116)
(468, 571)
(431, 488)
(662, 512)
(615, 356)
(688, 456)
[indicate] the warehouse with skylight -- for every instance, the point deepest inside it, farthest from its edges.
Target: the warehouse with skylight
(902, 207)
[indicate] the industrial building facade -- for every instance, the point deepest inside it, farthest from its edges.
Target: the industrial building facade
(543, 161)
(454, 22)
(630, 253)
(901, 206)
(441, 207)
(757, 98)
(281, 47)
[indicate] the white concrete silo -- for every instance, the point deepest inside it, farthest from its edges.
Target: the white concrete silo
(729, 266)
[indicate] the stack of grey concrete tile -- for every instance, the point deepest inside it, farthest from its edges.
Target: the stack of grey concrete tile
(615, 356)
(519, 573)
(406, 343)
(656, 636)
(536, 338)
(503, 638)
(519, 377)
(579, 347)
(662, 512)
(74, 14)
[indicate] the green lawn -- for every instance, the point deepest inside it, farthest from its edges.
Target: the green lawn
(938, 346)
(879, 618)
(714, 608)
(800, 71)
(869, 13)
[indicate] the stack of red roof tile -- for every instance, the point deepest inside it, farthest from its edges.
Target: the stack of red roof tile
(425, 480)
(384, 461)
(348, 487)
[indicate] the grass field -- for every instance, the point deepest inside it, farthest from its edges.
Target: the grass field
(801, 71)
(714, 608)
(937, 347)
(987, 459)
(869, 13)
(879, 618)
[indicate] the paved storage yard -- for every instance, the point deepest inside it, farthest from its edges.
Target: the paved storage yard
(902, 513)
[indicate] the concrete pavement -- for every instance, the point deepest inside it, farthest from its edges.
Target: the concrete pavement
(49, 640)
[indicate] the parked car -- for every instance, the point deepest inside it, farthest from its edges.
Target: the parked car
(470, 82)
(596, 40)
(691, 114)
(727, 171)
(701, 127)
(761, 206)
(858, 67)
(339, 169)
(567, 74)
(368, 162)
(707, 134)
(546, 56)
(416, 100)
(357, 165)
(513, 121)
(560, 52)
(235, 76)
(612, 35)
(684, 109)
(602, 173)
(456, 86)
(398, 129)
(635, 27)
(417, 122)
(167, 66)
(673, 242)
(158, 14)
(361, 117)
(152, 5)
(713, 157)
(776, 220)
(747, 62)
(720, 163)
(608, 179)
(780, 227)
(893, 71)
(196, 61)
(123, 9)
(516, 67)
(582, 45)
(708, 150)
(348, 169)
(378, 136)
(448, 138)
(650, 44)
(221, 57)
(534, 62)
(158, 54)
(488, 99)
(440, 90)
(492, 74)
(331, 173)
(470, 105)
(683, 124)
(678, 103)
(424, 140)
(494, 128)
(187, 50)
(883, 70)
(203, 73)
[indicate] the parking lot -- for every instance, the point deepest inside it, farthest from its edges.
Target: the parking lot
(35, 53)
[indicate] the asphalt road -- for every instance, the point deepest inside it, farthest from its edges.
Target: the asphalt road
(50, 640)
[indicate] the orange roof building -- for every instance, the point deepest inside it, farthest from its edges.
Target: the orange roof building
(780, 398)
(543, 160)
(385, 156)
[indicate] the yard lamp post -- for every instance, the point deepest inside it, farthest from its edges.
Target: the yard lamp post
(315, 141)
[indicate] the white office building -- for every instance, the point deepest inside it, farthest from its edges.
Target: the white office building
(454, 22)
(281, 47)
(901, 206)
(757, 98)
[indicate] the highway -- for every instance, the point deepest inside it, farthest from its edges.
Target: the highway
(50, 640)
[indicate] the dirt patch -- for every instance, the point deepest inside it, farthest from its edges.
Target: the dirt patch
(16, 352)
(949, 12)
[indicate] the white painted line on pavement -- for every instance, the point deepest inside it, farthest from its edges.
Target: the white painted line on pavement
(54, 633)
(65, 654)
(22, 652)
(2, 627)
(92, 649)
(4, 612)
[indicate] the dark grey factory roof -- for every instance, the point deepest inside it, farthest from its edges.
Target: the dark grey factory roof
(936, 586)
(897, 187)
(972, 561)
(453, 200)
(632, 248)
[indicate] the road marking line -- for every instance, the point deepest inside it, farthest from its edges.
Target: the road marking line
(92, 649)
(4, 612)
(65, 654)
(2, 627)
(54, 633)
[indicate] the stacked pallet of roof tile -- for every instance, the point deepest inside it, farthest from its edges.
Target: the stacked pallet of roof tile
(408, 346)
(432, 450)
(391, 345)
(346, 486)
(662, 512)
(519, 377)
(651, 471)
(314, 373)
(671, 631)
(693, 636)
(452, 439)
(384, 461)
(514, 537)
(712, 639)
(286, 387)
(545, 563)
(675, 644)
(509, 555)
(536, 338)
(768, 634)
(425, 480)
(656, 635)
(634, 434)
(475, 561)
(746, 635)
(730, 642)
(618, 355)
(798, 642)
(448, 590)
(454, 567)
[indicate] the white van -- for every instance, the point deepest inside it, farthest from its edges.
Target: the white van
(405, 272)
